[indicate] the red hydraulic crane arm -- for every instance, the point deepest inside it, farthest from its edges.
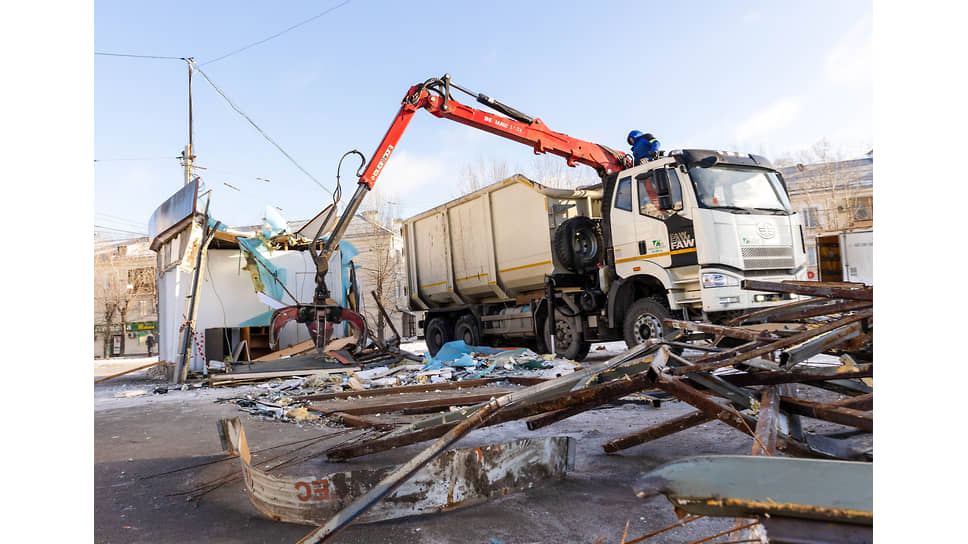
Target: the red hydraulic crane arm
(434, 96)
(531, 132)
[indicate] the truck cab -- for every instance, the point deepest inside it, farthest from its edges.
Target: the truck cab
(687, 228)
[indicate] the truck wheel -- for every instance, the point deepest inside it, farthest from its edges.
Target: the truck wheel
(466, 329)
(568, 341)
(578, 244)
(643, 321)
(436, 333)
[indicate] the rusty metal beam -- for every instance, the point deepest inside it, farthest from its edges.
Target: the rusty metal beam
(819, 344)
(728, 415)
(799, 376)
(815, 289)
(766, 423)
(701, 364)
(767, 313)
(590, 396)
(608, 392)
(835, 414)
(861, 402)
(719, 330)
(827, 309)
(654, 432)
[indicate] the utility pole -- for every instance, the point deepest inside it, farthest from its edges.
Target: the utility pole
(188, 154)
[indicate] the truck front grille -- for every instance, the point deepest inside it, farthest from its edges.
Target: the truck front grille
(761, 257)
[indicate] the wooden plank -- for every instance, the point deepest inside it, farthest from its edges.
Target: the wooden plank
(256, 376)
(291, 350)
(363, 422)
(99, 380)
(401, 405)
(463, 384)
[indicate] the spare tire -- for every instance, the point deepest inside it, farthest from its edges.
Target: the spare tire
(578, 244)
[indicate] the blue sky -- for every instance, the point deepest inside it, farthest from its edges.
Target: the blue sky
(764, 77)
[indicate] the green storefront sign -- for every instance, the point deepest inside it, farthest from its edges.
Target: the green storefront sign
(129, 327)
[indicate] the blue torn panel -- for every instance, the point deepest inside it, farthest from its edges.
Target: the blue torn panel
(347, 251)
(273, 224)
(272, 277)
(261, 320)
(457, 353)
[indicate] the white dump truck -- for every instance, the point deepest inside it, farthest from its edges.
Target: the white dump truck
(672, 237)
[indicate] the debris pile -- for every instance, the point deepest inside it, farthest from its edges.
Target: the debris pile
(750, 387)
(470, 374)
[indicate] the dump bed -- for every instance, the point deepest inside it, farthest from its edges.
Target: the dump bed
(491, 245)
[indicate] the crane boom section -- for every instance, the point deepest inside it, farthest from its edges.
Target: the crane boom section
(534, 134)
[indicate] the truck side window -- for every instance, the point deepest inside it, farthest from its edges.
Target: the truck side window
(649, 203)
(623, 194)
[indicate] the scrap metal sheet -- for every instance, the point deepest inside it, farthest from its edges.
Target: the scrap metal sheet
(455, 479)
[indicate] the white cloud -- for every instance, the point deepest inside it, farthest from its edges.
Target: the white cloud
(849, 62)
(777, 115)
(406, 172)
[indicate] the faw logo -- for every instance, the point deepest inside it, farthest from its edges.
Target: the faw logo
(681, 240)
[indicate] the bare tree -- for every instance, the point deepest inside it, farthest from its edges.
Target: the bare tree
(553, 171)
(384, 262)
(480, 174)
(825, 184)
(112, 293)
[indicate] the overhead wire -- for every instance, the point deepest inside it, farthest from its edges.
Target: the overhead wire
(137, 159)
(257, 127)
(138, 56)
(112, 229)
(276, 35)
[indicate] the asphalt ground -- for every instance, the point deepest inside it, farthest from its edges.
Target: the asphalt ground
(153, 454)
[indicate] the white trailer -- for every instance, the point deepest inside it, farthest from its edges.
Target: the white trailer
(847, 256)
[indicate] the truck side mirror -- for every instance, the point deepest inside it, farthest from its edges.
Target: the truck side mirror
(661, 177)
(665, 203)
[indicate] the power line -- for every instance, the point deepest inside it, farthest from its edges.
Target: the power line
(138, 56)
(120, 230)
(108, 218)
(251, 122)
(276, 35)
(137, 159)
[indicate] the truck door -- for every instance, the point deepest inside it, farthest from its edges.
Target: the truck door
(664, 236)
(624, 239)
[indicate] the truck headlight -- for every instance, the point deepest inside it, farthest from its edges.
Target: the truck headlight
(718, 280)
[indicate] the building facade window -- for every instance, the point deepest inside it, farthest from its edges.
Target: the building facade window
(810, 219)
(864, 209)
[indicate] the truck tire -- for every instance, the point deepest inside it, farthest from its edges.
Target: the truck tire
(436, 334)
(568, 341)
(578, 244)
(643, 321)
(467, 330)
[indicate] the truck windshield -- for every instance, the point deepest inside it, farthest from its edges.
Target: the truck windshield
(739, 188)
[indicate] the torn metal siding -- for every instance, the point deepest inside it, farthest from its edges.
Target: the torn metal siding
(745, 486)
(455, 479)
